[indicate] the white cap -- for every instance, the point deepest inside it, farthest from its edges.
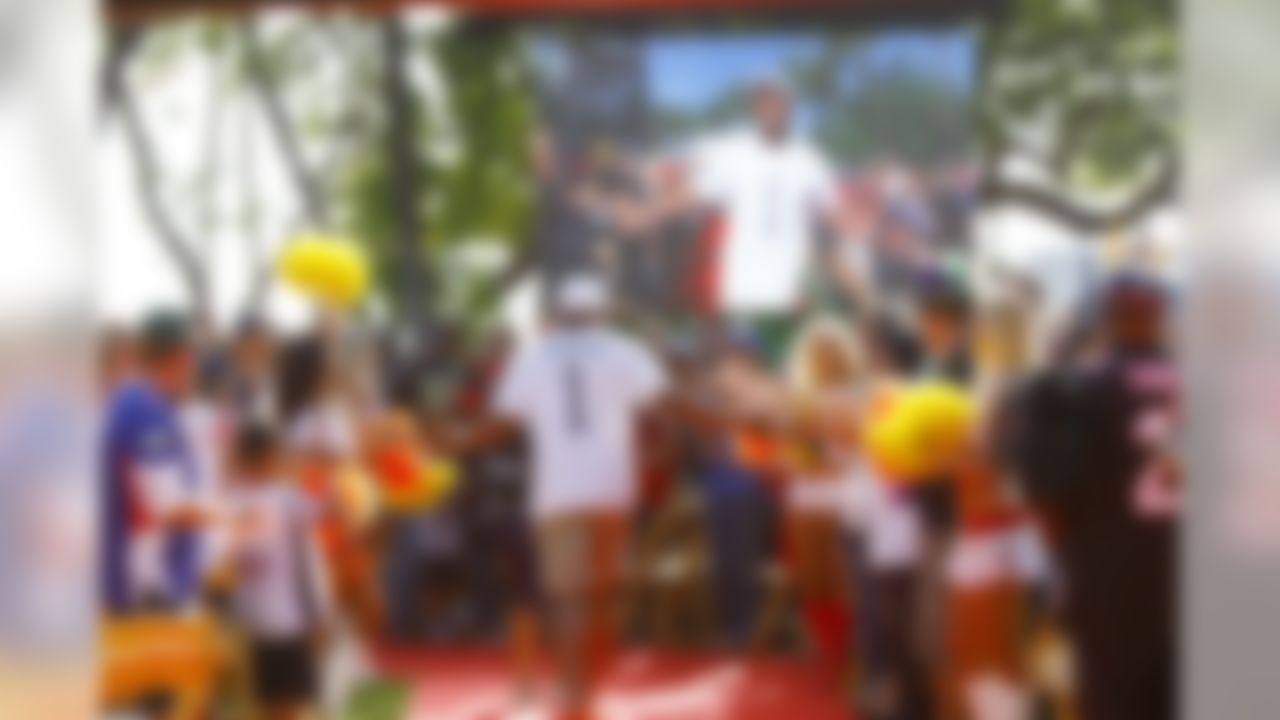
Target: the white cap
(582, 293)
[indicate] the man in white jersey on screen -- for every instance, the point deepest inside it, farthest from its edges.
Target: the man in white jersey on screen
(579, 392)
(775, 193)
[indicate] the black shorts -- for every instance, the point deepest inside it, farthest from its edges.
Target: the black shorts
(284, 671)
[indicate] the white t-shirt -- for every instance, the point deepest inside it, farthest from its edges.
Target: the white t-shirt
(894, 531)
(579, 393)
(281, 590)
(773, 196)
(208, 431)
(324, 428)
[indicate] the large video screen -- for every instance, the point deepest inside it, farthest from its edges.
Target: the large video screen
(532, 147)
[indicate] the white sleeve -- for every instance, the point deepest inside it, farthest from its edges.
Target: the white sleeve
(513, 395)
(1031, 558)
(648, 376)
(321, 580)
(162, 487)
(824, 194)
(706, 171)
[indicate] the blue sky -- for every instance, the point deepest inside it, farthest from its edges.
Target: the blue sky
(690, 69)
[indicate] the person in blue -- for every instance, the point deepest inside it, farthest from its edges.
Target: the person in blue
(742, 517)
(148, 476)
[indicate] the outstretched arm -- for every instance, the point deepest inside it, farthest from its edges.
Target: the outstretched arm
(478, 435)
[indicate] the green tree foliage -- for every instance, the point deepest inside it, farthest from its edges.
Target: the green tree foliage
(471, 148)
(481, 189)
(1084, 91)
(861, 111)
(900, 113)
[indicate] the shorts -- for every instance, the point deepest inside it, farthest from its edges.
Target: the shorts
(517, 563)
(284, 672)
(823, 496)
(579, 552)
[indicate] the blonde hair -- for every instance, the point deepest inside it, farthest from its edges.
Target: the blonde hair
(808, 369)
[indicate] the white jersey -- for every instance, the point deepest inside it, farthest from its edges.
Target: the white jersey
(579, 393)
(773, 195)
(281, 591)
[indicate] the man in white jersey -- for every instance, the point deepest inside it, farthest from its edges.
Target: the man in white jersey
(579, 392)
(776, 193)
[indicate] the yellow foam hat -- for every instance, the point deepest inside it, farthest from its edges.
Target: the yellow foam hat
(922, 433)
(329, 269)
(434, 483)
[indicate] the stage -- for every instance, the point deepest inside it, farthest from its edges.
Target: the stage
(476, 684)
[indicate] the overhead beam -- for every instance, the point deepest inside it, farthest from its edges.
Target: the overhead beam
(141, 11)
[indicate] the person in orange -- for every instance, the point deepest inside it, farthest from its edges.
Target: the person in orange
(932, 432)
(828, 379)
(994, 558)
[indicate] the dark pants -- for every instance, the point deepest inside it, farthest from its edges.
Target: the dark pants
(742, 525)
(422, 551)
(864, 601)
(1122, 678)
(898, 678)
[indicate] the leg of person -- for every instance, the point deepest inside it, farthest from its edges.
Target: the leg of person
(400, 579)
(609, 533)
(522, 636)
(562, 560)
(903, 691)
(286, 677)
(861, 603)
(816, 560)
(805, 556)
(831, 609)
(730, 521)
(517, 570)
(773, 592)
(929, 615)
(983, 666)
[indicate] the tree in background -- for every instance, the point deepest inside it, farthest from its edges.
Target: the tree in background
(1075, 115)
(471, 145)
(862, 111)
(316, 86)
(1079, 110)
(199, 162)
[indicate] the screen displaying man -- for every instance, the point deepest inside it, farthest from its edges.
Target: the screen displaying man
(776, 192)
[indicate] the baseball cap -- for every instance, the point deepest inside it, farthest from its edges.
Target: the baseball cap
(582, 294)
(164, 332)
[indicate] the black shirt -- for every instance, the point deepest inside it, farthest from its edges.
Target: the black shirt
(1079, 447)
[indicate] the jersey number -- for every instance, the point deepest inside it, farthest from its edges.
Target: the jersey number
(577, 419)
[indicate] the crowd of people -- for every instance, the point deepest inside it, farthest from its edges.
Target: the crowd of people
(739, 482)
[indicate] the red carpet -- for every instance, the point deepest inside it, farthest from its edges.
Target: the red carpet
(472, 684)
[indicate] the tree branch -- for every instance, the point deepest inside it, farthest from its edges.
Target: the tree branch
(176, 245)
(121, 44)
(308, 186)
(1074, 214)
